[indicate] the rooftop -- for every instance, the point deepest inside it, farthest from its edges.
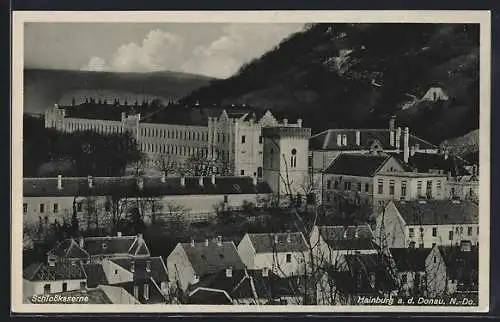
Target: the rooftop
(327, 140)
(362, 165)
(411, 174)
(152, 186)
(429, 162)
(438, 212)
(211, 258)
(60, 271)
(157, 268)
(410, 259)
(278, 242)
(348, 238)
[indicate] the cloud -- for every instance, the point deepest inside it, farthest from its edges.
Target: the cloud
(95, 64)
(239, 44)
(161, 50)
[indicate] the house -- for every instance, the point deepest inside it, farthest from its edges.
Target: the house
(435, 94)
(330, 243)
(189, 262)
(94, 249)
(410, 185)
(49, 278)
(247, 287)
(286, 254)
(352, 175)
(464, 188)
(421, 271)
(327, 145)
(425, 223)
(97, 200)
(362, 277)
(462, 267)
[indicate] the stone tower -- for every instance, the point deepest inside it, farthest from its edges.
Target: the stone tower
(286, 150)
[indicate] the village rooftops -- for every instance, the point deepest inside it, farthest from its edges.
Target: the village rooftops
(142, 187)
(211, 256)
(358, 164)
(348, 238)
(437, 212)
(410, 259)
(278, 242)
(56, 272)
(329, 140)
(95, 246)
(462, 266)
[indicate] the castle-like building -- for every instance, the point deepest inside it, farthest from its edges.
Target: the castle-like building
(242, 140)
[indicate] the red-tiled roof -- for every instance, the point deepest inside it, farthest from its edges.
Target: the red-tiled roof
(286, 242)
(212, 258)
(327, 140)
(361, 165)
(438, 212)
(153, 187)
(60, 271)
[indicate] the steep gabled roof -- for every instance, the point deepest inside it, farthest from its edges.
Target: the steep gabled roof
(113, 245)
(68, 248)
(348, 238)
(361, 165)
(155, 296)
(212, 258)
(152, 187)
(95, 275)
(286, 242)
(438, 212)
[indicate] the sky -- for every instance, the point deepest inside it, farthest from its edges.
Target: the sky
(211, 49)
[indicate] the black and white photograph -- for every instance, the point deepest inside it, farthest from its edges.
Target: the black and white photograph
(251, 162)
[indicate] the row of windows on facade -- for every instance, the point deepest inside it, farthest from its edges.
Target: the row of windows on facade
(95, 127)
(173, 149)
(174, 134)
(55, 207)
(458, 231)
(392, 184)
(412, 244)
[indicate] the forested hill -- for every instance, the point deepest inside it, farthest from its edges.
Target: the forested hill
(358, 75)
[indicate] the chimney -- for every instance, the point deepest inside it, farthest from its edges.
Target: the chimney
(206, 242)
(219, 240)
(254, 180)
(288, 238)
(398, 138)
(139, 236)
(392, 122)
(446, 154)
(265, 272)
(81, 242)
(406, 147)
(412, 151)
(140, 183)
(358, 138)
(200, 181)
(356, 234)
(119, 234)
(59, 182)
(339, 139)
(196, 279)
(132, 266)
(148, 266)
(345, 232)
(123, 116)
(183, 181)
(192, 242)
(344, 140)
(213, 179)
(417, 147)
(163, 177)
(285, 122)
(229, 272)
(90, 181)
(276, 238)
(299, 122)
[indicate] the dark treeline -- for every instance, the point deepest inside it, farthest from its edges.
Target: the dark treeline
(47, 152)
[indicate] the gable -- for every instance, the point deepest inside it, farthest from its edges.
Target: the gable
(391, 165)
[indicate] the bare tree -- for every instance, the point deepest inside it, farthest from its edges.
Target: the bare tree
(166, 164)
(201, 165)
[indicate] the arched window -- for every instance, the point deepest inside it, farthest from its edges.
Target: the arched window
(293, 159)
